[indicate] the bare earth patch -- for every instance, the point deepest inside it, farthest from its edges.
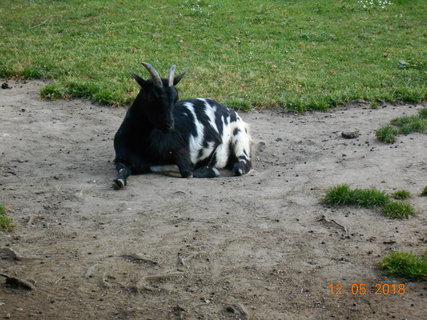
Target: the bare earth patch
(260, 246)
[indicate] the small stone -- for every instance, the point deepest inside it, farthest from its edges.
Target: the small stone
(350, 134)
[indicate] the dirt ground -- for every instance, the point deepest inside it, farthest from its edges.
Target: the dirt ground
(261, 246)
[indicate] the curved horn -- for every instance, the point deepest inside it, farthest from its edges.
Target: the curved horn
(154, 74)
(171, 75)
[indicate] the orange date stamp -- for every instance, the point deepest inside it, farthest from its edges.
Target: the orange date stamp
(361, 289)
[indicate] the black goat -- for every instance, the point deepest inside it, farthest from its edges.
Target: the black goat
(197, 135)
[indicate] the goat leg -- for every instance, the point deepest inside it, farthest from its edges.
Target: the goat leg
(206, 172)
(184, 164)
(123, 173)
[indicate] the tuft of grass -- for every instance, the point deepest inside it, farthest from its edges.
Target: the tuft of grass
(387, 134)
(338, 195)
(51, 92)
(6, 223)
(403, 125)
(401, 194)
(398, 209)
(410, 124)
(370, 198)
(374, 105)
(343, 195)
(424, 192)
(423, 113)
(299, 55)
(405, 264)
(239, 104)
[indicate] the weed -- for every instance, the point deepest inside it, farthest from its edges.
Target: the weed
(405, 264)
(5, 221)
(370, 198)
(403, 125)
(387, 134)
(51, 92)
(338, 195)
(423, 113)
(239, 104)
(374, 105)
(374, 4)
(424, 192)
(413, 63)
(401, 194)
(410, 124)
(398, 209)
(343, 195)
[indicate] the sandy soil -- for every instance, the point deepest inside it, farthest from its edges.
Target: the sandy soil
(260, 246)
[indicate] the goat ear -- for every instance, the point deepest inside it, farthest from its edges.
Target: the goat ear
(178, 78)
(138, 79)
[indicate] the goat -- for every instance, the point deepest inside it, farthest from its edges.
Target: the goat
(198, 135)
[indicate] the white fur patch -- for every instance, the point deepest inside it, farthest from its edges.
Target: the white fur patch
(196, 142)
(210, 112)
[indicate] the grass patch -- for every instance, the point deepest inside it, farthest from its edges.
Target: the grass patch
(387, 134)
(401, 194)
(398, 209)
(342, 195)
(338, 195)
(368, 198)
(423, 113)
(424, 192)
(5, 221)
(405, 264)
(403, 125)
(51, 92)
(297, 54)
(410, 124)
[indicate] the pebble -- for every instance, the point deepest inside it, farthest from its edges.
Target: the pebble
(350, 134)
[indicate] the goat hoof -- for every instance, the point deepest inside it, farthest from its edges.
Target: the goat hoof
(187, 174)
(118, 184)
(237, 171)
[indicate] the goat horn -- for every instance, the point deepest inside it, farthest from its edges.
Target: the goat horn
(154, 74)
(171, 75)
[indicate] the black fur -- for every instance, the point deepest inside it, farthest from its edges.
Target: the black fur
(157, 130)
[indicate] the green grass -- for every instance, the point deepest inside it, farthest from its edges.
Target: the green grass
(403, 125)
(401, 194)
(424, 192)
(387, 134)
(423, 113)
(343, 195)
(296, 54)
(5, 221)
(398, 209)
(405, 264)
(410, 124)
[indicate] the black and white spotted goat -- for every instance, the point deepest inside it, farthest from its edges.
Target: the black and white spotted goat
(197, 135)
